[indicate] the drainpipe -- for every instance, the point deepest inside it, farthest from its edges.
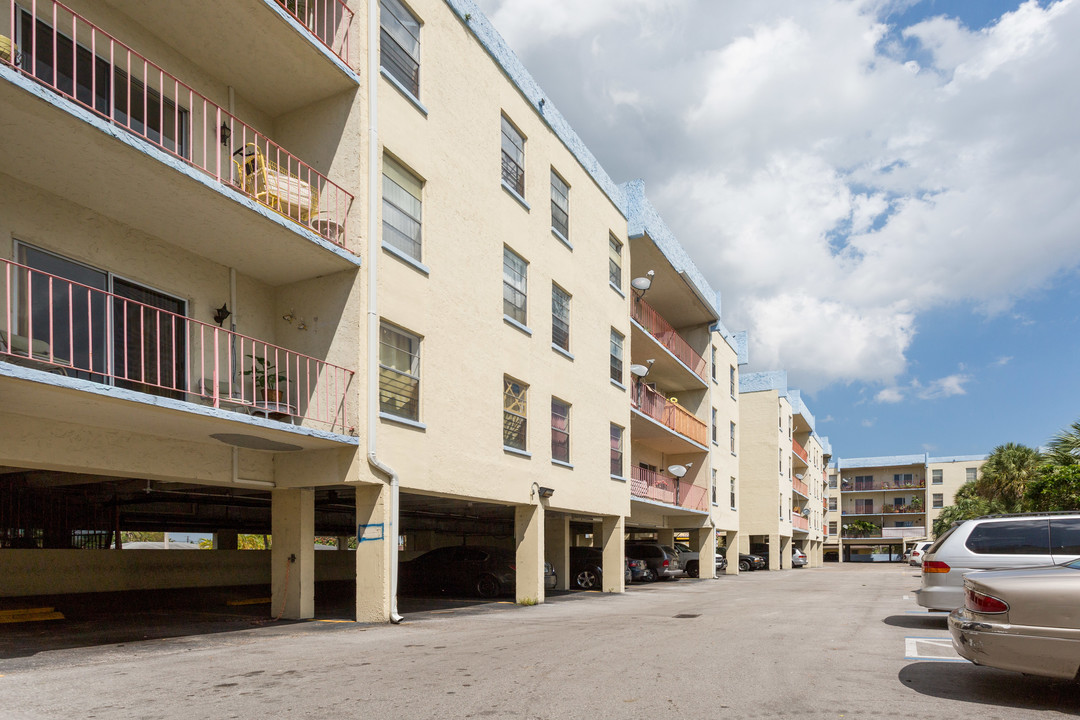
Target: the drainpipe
(373, 303)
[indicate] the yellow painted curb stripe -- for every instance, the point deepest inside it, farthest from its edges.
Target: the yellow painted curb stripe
(25, 611)
(250, 601)
(33, 618)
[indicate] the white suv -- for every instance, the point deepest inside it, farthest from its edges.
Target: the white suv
(995, 542)
(917, 553)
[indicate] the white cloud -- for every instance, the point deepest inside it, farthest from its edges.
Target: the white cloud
(890, 395)
(868, 422)
(945, 387)
(1002, 361)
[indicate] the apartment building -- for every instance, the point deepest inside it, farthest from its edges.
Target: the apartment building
(782, 463)
(354, 277)
(880, 506)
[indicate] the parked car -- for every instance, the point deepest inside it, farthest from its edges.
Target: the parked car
(748, 562)
(550, 578)
(662, 560)
(1022, 620)
(689, 560)
(915, 557)
(721, 562)
(586, 568)
(638, 570)
(798, 558)
(994, 542)
(482, 570)
(761, 551)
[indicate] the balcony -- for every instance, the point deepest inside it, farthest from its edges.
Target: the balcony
(649, 485)
(662, 331)
(76, 331)
(850, 486)
(671, 415)
(800, 452)
(128, 134)
(903, 532)
(800, 487)
(798, 522)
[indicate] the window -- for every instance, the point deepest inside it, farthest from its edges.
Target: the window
(864, 482)
(864, 507)
(832, 481)
(399, 43)
(731, 379)
(399, 372)
(731, 490)
(560, 206)
(935, 477)
(832, 504)
(971, 474)
(780, 454)
(514, 286)
(515, 418)
(732, 438)
(712, 364)
(513, 158)
(401, 209)
(616, 356)
(1011, 537)
(903, 480)
(615, 261)
(715, 430)
(1064, 536)
(560, 430)
(939, 500)
(712, 488)
(832, 527)
(616, 450)
(560, 317)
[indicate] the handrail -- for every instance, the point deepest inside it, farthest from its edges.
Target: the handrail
(652, 485)
(799, 522)
(328, 21)
(139, 96)
(663, 331)
(671, 415)
(800, 487)
(51, 323)
(800, 451)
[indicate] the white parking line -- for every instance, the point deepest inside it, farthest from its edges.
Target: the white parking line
(936, 649)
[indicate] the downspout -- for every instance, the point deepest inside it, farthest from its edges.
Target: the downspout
(373, 303)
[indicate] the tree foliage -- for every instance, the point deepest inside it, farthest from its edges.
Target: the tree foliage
(1006, 474)
(1064, 448)
(1056, 488)
(968, 504)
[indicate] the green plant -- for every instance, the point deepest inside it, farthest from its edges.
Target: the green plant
(861, 528)
(264, 374)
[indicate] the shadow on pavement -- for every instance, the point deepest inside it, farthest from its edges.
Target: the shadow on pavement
(987, 686)
(919, 622)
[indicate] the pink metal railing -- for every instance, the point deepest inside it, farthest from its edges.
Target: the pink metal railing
(800, 451)
(658, 407)
(107, 77)
(328, 20)
(799, 522)
(662, 330)
(863, 486)
(800, 487)
(663, 488)
(51, 323)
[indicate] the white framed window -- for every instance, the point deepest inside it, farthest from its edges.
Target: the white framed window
(399, 44)
(560, 317)
(513, 157)
(936, 477)
(971, 474)
(939, 500)
(832, 504)
(615, 261)
(560, 205)
(515, 286)
(712, 488)
(731, 491)
(399, 372)
(401, 209)
(732, 429)
(715, 429)
(712, 362)
(515, 413)
(616, 450)
(616, 356)
(560, 430)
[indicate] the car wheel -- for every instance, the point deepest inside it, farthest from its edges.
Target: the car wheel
(692, 569)
(487, 586)
(744, 566)
(647, 575)
(587, 579)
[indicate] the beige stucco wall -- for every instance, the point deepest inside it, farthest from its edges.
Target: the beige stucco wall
(765, 463)
(953, 475)
(725, 462)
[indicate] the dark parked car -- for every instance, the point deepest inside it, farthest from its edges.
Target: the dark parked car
(747, 562)
(662, 560)
(688, 559)
(586, 568)
(639, 571)
(481, 570)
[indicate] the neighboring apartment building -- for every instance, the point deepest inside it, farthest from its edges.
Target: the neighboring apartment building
(782, 466)
(880, 506)
(243, 295)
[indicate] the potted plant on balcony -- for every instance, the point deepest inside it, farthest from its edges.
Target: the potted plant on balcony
(916, 503)
(266, 379)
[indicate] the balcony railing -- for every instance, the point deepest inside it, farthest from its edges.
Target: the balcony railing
(71, 56)
(851, 486)
(51, 323)
(903, 532)
(662, 330)
(800, 451)
(652, 485)
(670, 414)
(800, 487)
(328, 20)
(799, 522)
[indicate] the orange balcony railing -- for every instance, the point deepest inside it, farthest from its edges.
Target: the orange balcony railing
(662, 330)
(669, 414)
(800, 451)
(799, 522)
(328, 20)
(652, 485)
(801, 487)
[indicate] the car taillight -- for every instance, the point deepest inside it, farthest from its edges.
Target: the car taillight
(935, 566)
(665, 563)
(982, 603)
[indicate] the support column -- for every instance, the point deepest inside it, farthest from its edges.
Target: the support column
(703, 541)
(734, 541)
(373, 547)
(744, 543)
(774, 552)
(529, 535)
(840, 549)
(342, 542)
(292, 553)
(226, 540)
(666, 536)
(612, 540)
(557, 546)
(785, 553)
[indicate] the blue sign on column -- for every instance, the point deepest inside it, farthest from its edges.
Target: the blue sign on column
(366, 533)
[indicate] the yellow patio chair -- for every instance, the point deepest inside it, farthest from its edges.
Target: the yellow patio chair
(267, 183)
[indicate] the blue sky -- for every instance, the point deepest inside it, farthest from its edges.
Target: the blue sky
(885, 191)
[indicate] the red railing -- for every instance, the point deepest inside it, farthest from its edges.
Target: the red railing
(863, 486)
(328, 20)
(800, 451)
(659, 408)
(652, 485)
(54, 324)
(800, 487)
(78, 60)
(799, 522)
(662, 330)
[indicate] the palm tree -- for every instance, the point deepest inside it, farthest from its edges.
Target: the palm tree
(1006, 474)
(1064, 448)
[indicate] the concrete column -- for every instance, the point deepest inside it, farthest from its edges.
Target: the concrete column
(557, 546)
(785, 553)
(840, 549)
(342, 542)
(373, 548)
(421, 541)
(704, 542)
(292, 553)
(774, 552)
(529, 535)
(666, 536)
(734, 540)
(744, 543)
(226, 540)
(612, 535)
